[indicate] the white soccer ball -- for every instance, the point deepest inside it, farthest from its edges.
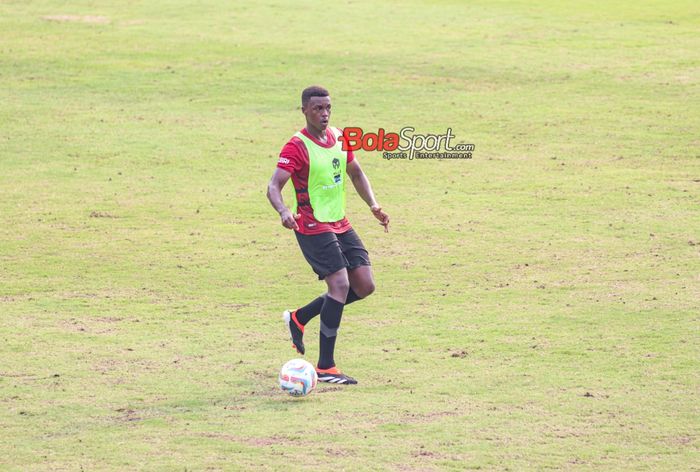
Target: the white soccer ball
(298, 377)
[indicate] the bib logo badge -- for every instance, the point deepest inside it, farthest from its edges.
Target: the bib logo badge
(336, 170)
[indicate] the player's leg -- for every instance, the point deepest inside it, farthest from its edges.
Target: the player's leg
(310, 310)
(338, 285)
(323, 253)
(361, 282)
(359, 273)
(358, 263)
(331, 313)
(361, 286)
(359, 266)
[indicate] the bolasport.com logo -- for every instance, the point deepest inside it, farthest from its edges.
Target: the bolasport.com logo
(406, 144)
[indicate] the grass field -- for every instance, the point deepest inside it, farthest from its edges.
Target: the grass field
(537, 306)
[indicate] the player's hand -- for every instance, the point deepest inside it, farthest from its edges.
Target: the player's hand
(381, 216)
(289, 220)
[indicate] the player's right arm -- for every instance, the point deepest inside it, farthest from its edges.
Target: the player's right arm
(274, 194)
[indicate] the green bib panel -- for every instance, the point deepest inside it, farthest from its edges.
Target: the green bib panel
(326, 178)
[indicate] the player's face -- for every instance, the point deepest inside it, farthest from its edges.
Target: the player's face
(318, 112)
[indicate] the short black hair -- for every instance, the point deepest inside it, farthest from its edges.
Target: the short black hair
(313, 91)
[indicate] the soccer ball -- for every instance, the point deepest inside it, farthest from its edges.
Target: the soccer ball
(298, 377)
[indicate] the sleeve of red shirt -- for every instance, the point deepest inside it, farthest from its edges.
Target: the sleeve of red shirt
(290, 158)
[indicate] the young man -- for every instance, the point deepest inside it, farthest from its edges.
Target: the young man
(315, 161)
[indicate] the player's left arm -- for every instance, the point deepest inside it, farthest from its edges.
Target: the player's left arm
(363, 187)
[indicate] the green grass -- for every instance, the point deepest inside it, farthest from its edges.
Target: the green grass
(537, 306)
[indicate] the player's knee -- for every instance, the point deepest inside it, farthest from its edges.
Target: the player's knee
(366, 290)
(342, 286)
(339, 286)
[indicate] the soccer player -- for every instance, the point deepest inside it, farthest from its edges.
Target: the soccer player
(317, 164)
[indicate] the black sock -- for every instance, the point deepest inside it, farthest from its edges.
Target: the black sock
(306, 313)
(310, 311)
(352, 297)
(331, 312)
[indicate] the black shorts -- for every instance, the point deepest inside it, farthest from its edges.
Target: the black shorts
(329, 252)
